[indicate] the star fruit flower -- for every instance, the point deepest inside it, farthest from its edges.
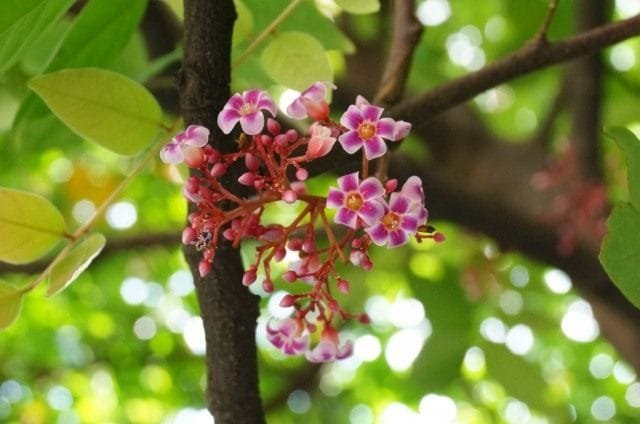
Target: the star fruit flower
(366, 129)
(311, 102)
(286, 334)
(185, 145)
(356, 200)
(246, 109)
(328, 349)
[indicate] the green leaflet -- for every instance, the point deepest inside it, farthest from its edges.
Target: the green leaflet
(620, 252)
(10, 304)
(30, 226)
(102, 106)
(74, 263)
(359, 6)
(296, 59)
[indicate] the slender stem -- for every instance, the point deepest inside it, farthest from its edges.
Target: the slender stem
(365, 165)
(266, 32)
(541, 37)
(331, 236)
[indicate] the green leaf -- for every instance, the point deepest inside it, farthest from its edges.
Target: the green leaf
(77, 260)
(620, 254)
(22, 21)
(296, 59)
(102, 106)
(244, 24)
(10, 304)
(630, 144)
(30, 226)
(359, 6)
(101, 30)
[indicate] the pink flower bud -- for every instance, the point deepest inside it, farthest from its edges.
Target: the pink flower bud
(343, 286)
(218, 170)
(318, 111)
(294, 244)
(292, 135)
(267, 285)
(251, 162)
(281, 140)
(273, 126)
(265, 140)
(280, 254)
(357, 257)
(356, 243)
(189, 235)
(302, 174)
(229, 234)
(289, 196)
(290, 276)
(364, 319)
(249, 277)
(308, 246)
(193, 156)
(299, 187)
(204, 267)
(333, 305)
(391, 185)
(247, 178)
(439, 238)
(288, 300)
(258, 184)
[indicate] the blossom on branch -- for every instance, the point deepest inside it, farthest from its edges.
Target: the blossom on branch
(185, 145)
(356, 200)
(246, 108)
(366, 129)
(312, 102)
(287, 335)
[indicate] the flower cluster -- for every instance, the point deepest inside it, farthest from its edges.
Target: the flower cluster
(271, 163)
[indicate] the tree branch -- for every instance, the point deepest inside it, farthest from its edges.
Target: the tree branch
(530, 57)
(229, 311)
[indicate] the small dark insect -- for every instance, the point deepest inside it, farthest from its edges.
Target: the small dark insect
(203, 240)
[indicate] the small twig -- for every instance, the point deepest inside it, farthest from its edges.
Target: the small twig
(266, 32)
(541, 37)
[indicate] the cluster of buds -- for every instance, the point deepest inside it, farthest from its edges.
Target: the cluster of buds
(271, 163)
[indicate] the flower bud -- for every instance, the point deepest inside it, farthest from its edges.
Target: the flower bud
(273, 126)
(218, 170)
(251, 162)
(267, 285)
(343, 285)
(391, 185)
(204, 267)
(439, 238)
(189, 235)
(302, 174)
(249, 277)
(333, 305)
(287, 301)
(289, 196)
(247, 178)
(290, 276)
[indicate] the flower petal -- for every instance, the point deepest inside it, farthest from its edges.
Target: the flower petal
(400, 130)
(347, 217)
(412, 188)
(397, 238)
(235, 102)
(335, 198)
(323, 352)
(171, 153)
(409, 223)
(371, 212)
(349, 182)
(371, 113)
(316, 92)
(296, 109)
(371, 188)
(345, 350)
(197, 136)
(374, 148)
(351, 118)
(360, 101)
(386, 128)
(252, 96)
(252, 123)
(379, 235)
(227, 119)
(399, 203)
(267, 103)
(350, 141)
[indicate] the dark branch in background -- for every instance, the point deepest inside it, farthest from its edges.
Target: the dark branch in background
(586, 95)
(529, 58)
(544, 134)
(229, 311)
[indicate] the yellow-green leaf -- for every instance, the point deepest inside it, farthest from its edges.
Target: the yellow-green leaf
(359, 6)
(10, 304)
(74, 263)
(296, 59)
(102, 106)
(29, 226)
(244, 24)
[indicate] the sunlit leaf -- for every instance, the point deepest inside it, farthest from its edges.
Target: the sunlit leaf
(102, 106)
(630, 144)
(244, 24)
(22, 21)
(76, 261)
(359, 6)
(10, 304)
(296, 59)
(29, 226)
(620, 254)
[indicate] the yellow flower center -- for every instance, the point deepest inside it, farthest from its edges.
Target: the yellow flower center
(366, 130)
(247, 108)
(391, 221)
(354, 201)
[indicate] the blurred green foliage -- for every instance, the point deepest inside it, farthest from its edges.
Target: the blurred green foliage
(459, 328)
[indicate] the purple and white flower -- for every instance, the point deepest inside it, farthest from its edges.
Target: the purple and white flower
(401, 219)
(328, 349)
(195, 136)
(366, 129)
(311, 102)
(246, 108)
(412, 189)
(287, 335)
(321, 141)
(357, 200)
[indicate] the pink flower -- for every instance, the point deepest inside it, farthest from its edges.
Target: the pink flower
(327, 349)
(320, 142)
(400, 130)
(366, 128)
(245, 108)
(311, 102)
(286, 335)
(186, 144)
(412, 189)
(356, 200)
(400, 219)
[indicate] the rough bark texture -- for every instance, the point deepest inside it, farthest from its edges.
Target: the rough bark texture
(229, 311)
